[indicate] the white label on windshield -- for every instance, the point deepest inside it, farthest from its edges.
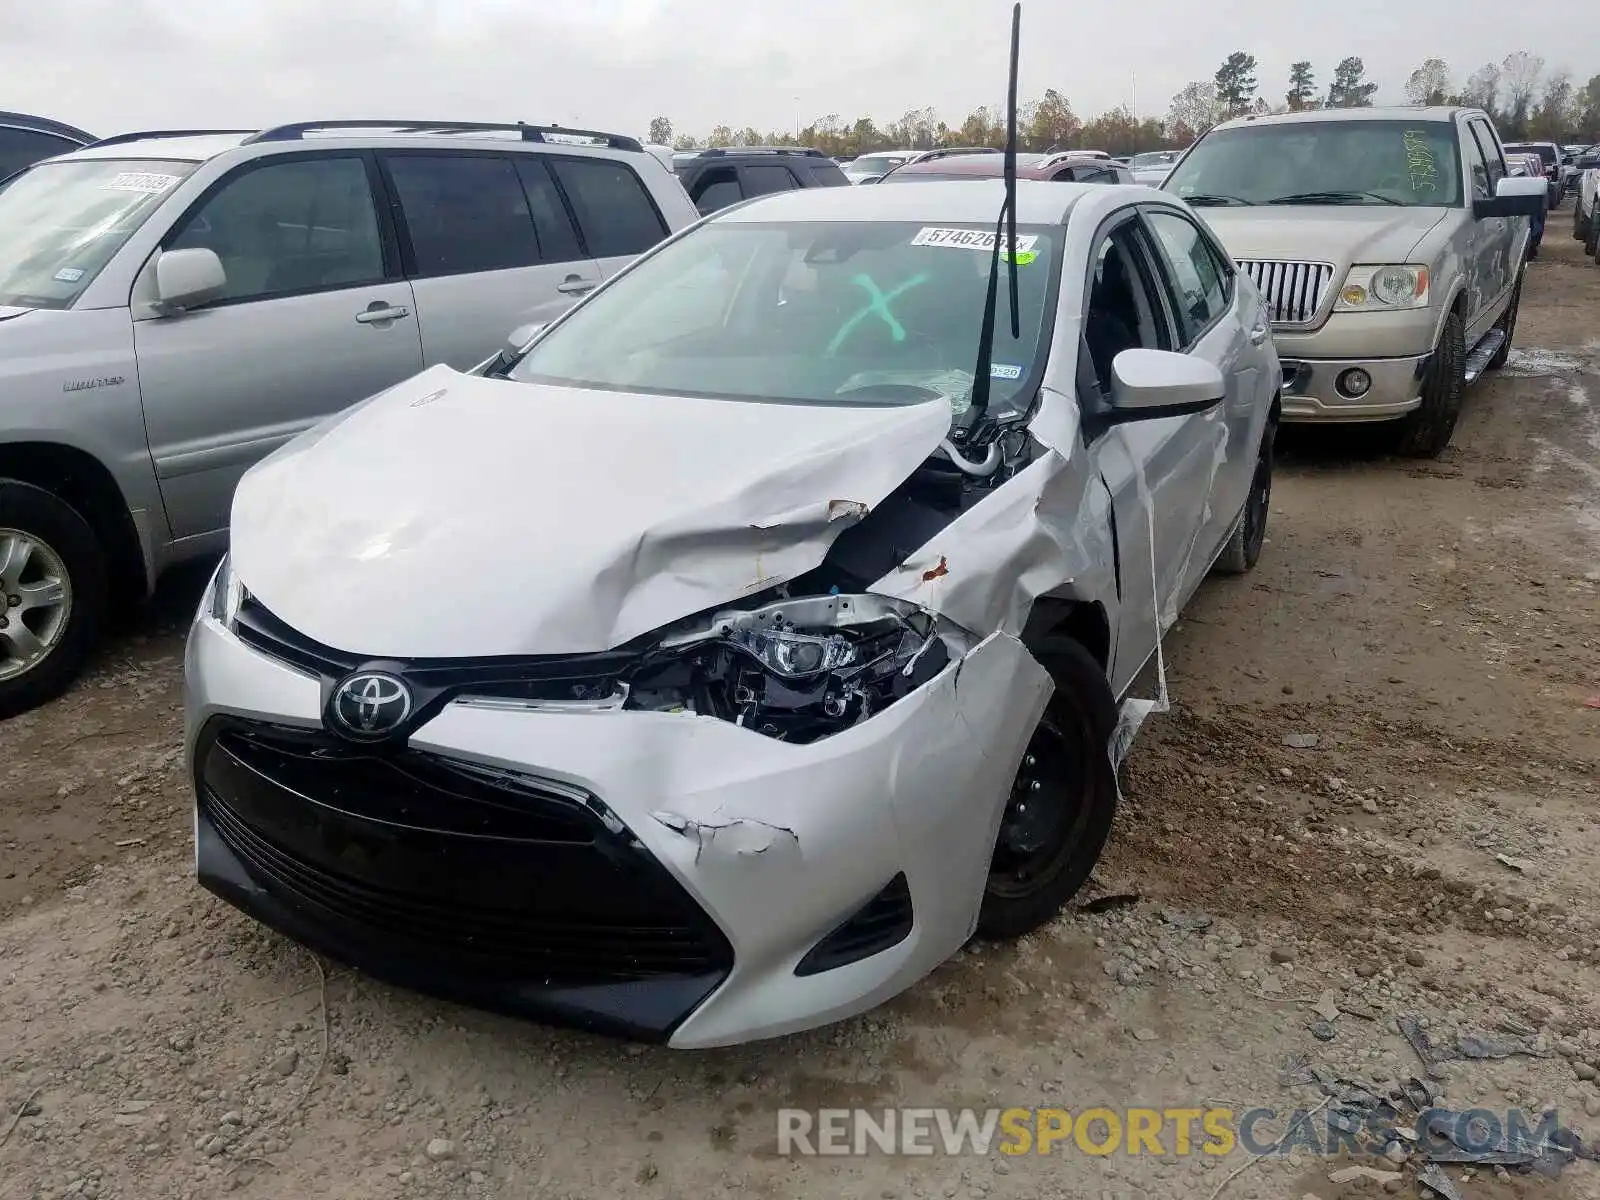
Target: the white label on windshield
(148, 182)
(968, 239)
(1004, 371)
(69, 274)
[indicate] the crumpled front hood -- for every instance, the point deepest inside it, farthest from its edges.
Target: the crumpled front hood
(1377, 233)
(457, 516)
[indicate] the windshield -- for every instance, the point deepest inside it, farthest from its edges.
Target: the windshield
(877, 164)
(61, 222)
(820, 313)
(1413, 163)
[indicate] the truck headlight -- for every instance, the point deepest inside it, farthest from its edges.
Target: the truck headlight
(224, 594)
(1387, 285)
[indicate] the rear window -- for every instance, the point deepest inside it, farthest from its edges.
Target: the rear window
(614, 211)
(1546, 153)
(828, 175)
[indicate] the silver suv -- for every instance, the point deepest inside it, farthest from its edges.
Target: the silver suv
(175, 305)
(1390, 245)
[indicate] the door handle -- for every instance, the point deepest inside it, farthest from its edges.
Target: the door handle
(575, 285)
(392, 312)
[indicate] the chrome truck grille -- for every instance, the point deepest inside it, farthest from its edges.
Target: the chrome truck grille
(1293, 290)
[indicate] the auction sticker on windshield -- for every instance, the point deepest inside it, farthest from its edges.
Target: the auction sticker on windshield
(968, 239)
(140, 181)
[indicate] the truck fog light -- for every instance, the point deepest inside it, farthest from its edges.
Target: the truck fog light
(1354, 383)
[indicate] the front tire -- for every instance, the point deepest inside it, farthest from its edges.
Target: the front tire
(1063, 801)
(1243, 549)
(52, 596)
(1426, 431)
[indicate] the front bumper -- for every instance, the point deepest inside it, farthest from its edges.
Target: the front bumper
(1311, 390)
(650, 875)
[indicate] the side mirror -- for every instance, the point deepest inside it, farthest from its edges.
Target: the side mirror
(517, 340)
(188, 278)
(1149, 384)
(1514, 196)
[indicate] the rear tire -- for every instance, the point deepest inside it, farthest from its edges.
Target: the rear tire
(1426, 431)
(1250, 531)
(1059, 815)
(52, 596)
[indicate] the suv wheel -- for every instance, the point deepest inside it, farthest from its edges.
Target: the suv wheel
(1062, 803)
(1580, 223)
(52, 595)
(1425, 431)
(1243, 549)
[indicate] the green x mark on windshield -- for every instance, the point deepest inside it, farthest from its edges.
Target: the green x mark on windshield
(877, 305)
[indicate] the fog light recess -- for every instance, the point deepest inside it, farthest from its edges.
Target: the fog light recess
(1354, 383)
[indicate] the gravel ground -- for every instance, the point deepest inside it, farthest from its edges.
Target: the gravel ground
(1375, 796)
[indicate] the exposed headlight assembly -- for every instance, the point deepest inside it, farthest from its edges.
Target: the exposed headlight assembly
(224, 594)
(1385, 286)
(799, 669)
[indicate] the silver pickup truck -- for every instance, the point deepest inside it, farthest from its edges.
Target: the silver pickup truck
(1390, 245)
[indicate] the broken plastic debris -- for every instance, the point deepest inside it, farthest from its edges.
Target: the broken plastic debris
(1486, 1045)
(1411, 1029)
(1516, 864)
(1436, 1181)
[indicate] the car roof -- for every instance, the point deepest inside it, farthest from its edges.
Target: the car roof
(967, 202)
(992, 166)
(1315, 115)
(38, 124)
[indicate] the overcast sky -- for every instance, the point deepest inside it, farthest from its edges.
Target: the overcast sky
(112, 65)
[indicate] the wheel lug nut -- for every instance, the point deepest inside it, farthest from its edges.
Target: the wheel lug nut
(13, 601)
(1035, 785)
(1030, 760)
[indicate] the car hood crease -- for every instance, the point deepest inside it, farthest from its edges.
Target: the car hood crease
(458, 516)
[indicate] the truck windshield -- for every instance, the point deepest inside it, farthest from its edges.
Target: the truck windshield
(61, 222)
(1413, 163)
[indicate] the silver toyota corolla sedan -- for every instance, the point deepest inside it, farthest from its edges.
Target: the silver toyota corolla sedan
(717, 661)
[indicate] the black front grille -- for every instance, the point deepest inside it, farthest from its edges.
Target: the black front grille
(516, 677)
(884, 921)
(436, 861)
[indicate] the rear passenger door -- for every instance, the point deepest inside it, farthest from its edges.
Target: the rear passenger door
(617, 219)
(488, 244)
(1489, 267)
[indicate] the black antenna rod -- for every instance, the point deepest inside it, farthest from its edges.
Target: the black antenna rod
(1005, 227)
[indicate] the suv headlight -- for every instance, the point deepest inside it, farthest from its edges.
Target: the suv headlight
(1388, 285)
(224, 595)
(798, 669)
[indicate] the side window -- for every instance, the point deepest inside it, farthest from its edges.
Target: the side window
(615, 213)
(558, 240)
(21, 148)
(464, 213)
(1492, 156)
(1125, 311)
(762, 180)
(716, 188)
(1477, 164)
(1197, 283)
(828, 175)
(303, 225)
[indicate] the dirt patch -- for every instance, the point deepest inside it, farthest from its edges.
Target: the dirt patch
(1376, 795)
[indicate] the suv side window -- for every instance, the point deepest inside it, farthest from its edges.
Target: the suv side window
(1490, 149)
(1477, 163)
(615, 214)
(558, 237)
(828, 174)
(762, 179)
(1196, 278)
(464, 213)
(21, 148)
(716, 188)
(300, 225)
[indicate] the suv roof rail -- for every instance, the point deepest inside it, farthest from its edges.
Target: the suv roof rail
(45, 125)
(806, 151)
(146, 135)
(953, 152)
(530, 133)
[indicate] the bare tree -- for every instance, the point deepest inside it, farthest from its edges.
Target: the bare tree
(1520, 73)
(1482, 88)
(1194, 110)
(1429, 83)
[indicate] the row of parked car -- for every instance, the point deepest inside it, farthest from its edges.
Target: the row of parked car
(712, 657)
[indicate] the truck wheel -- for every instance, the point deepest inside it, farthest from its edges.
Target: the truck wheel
(1508, 326)
(1244, 543)
(1591, 245)
(52, 595)
(1580, 226)
(1059, 814)
(1425, 432)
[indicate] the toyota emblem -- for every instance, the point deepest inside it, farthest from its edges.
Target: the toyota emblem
(370, 704)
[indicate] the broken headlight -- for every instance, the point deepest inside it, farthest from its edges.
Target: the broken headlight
(799, 669)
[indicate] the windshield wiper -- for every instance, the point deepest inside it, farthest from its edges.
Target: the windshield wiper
(1211, 199)
(1006, 228)
(1331, 198)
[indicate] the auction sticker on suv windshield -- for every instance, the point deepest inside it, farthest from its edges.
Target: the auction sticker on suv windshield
(968, 239)
(141, 181)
